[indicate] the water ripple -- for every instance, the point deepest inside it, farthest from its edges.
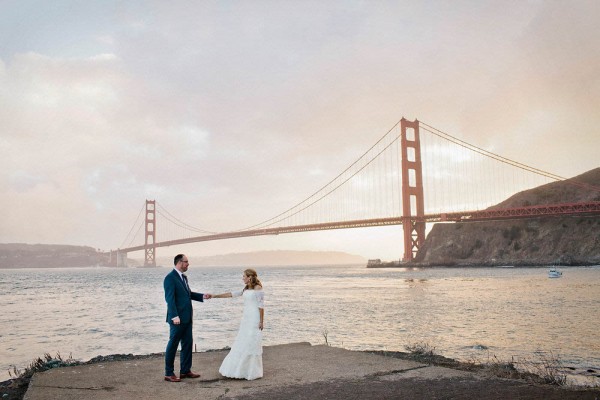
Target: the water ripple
(463, 313)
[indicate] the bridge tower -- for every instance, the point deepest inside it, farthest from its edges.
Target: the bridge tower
(150, 242)
(413, 208)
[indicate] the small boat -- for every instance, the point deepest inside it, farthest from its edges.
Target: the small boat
(554, 273)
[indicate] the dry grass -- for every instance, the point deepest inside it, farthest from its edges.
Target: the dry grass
(326, 337)
(38, 365)
(420, 348)
(493, 366)
(548, 367)
(545, 368)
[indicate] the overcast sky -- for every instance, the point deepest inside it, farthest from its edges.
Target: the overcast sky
(227, 112)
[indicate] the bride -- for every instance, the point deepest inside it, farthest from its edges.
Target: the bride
(244, 360)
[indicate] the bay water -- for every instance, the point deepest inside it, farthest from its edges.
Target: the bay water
(470, 314)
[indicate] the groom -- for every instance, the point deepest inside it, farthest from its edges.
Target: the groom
(179, 316)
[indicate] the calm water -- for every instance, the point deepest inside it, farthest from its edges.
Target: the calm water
(467, 314)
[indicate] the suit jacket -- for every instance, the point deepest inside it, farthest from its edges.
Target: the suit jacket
(179, 300)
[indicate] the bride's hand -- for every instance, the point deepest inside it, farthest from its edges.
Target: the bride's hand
(260, 326)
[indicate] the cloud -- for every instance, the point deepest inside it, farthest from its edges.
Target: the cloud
(229, 113)
(21, 181)
(72, 132)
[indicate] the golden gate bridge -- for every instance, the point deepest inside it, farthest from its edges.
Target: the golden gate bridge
(413, 175)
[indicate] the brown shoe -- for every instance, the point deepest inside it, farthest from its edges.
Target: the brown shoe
(189, 375)
(172, 378)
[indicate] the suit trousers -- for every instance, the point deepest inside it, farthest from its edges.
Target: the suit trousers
(179, 333)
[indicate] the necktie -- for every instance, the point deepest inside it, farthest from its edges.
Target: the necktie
(185, 281)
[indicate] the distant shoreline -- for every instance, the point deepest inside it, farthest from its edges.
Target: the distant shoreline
(397, 264)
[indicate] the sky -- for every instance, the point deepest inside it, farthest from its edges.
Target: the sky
(228, 112)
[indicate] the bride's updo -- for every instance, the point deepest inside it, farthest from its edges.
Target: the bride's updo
(254, 281)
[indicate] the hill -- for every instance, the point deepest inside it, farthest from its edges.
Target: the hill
(543, 241)
(21, 255)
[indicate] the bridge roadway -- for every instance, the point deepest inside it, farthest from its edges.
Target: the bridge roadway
(566, 209)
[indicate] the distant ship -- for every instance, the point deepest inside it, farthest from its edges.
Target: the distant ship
(554, 273)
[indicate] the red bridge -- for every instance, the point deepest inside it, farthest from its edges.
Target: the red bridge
(387, 182)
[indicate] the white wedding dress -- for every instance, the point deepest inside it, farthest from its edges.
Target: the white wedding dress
(244, 360)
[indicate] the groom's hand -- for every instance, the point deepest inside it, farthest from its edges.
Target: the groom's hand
(207, 296)
(176, 321)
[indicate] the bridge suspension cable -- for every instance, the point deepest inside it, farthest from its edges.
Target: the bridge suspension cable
(138, 226)
(176, 221)
(462, 143)
(487, 153)
(137, 223)
(334, 183)
(382, 195)
(368, 192)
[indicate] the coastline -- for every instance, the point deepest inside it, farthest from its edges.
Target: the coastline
(15, 389)
(478, 264)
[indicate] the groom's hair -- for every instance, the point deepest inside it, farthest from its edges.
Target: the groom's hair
(177, 258)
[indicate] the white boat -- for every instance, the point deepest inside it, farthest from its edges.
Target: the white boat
(554, 273)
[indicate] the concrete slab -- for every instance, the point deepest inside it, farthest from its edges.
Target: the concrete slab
(284, 365)
(293, 371)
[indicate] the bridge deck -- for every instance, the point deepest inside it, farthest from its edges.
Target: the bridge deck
(567, 209)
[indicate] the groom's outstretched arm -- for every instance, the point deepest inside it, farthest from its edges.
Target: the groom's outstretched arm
(197, 296)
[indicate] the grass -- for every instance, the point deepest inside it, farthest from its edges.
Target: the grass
(326, 337)
(545, 368)
(421, 349)
(493, 366)
(548, 367)
(42, 364)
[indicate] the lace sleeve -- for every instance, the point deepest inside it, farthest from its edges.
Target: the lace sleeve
(260, 297)
(236, 293)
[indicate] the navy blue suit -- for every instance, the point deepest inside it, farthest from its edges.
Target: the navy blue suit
(179, 304)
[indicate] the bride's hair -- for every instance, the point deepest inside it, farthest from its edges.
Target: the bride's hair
(254, 281)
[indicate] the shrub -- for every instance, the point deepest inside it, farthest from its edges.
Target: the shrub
(421, 349)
